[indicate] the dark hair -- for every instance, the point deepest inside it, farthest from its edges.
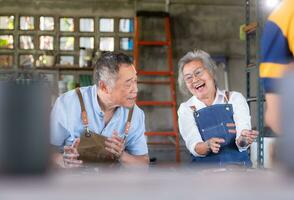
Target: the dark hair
(107, 66)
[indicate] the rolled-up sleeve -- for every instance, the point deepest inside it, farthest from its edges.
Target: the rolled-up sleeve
(136, 142)
(188, 128)
(58, 123)
(241, 115)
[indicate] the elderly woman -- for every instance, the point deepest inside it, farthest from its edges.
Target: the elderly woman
(215, 124)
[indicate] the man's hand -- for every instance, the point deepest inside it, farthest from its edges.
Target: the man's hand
(214, 144)
(70, 155)
(115, 145)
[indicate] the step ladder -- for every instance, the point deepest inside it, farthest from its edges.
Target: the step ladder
(168, 75)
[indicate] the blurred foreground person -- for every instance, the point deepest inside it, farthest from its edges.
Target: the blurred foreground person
(277, 50)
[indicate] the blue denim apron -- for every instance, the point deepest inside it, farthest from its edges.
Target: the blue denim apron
(211, 122)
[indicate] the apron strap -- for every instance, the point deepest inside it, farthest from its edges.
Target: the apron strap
(227, 96)
(85, 118)
(193, 108)
(128, 123)
(84, 112)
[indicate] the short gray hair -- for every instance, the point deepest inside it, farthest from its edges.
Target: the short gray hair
(198, 55)
(107, 66)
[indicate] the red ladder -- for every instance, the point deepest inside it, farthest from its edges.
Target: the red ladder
(169, 74)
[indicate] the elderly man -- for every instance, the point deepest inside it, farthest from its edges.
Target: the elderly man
(107, 106)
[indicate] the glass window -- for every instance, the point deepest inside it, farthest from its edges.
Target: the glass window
(67, 43)
(27, 23)
(126, 44)
(87, 42)
(87, 25)
(106, 25)
(106, 44)
(6, 42)
(46, 42)
(67, 24)
(66, 60)
(7, 22)
(46, 23)
(126, 25)
(26, 42)
(26, 61)
(6, 61)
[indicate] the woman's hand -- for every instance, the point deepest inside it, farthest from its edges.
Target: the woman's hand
(248, 137)
(214, 144)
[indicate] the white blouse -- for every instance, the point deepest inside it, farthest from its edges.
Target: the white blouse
(187, 125)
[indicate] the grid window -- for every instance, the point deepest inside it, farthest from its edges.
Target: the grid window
(87, 42)
(27, 23)
(66, 60)
(26, 42)
(46, 23)
(126, 43)
(106, 44)
(46, 42)
(66, 24)
(25, 38)
(7, 22)
(106, 25)
(67, 43)
(126, 25)
(6, 41)
(87, 25)
(26, 61)
(6, 61)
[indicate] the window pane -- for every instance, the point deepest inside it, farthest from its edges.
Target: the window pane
(26, 61)
(86, 25)
(6, 61)
(126, 25)
(66, 60)
(46, 42)
(106, 25)
(27, 23)
(67, 24)
(7, 22)
(67, 43)
(6, 42)
(106, 44)
(46, 23)
(26, 42)
(46, 60)
(126, 43)
(87, 42)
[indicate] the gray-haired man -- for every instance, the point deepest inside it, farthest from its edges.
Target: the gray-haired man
(107, 106)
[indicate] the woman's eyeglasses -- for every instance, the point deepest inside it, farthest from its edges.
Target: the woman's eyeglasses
(197, 73)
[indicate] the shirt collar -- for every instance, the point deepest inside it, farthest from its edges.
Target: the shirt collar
(219, 98)
(98, 109)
